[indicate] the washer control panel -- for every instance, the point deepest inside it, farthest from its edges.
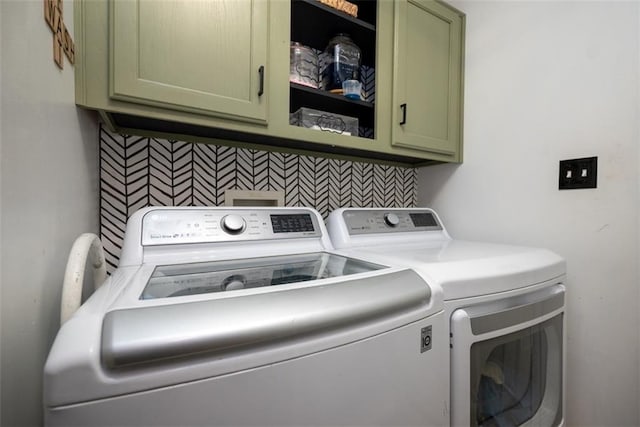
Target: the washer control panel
(364, 221)
(184, 226)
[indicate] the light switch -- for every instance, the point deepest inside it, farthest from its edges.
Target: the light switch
(578, 173)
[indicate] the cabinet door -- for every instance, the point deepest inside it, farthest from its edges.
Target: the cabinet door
(428, 49)
(203, 56)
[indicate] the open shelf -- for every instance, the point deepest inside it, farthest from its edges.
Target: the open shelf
(303, 96)
(313, 24)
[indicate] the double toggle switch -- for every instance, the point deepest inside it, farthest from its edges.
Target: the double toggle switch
(578, 173)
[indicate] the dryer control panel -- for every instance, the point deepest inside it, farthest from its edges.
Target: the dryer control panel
(369, 221)
(166, 226)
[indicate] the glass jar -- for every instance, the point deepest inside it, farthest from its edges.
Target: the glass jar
(343, 58)
(303, 67)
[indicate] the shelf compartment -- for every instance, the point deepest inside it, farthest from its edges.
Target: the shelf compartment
(314, 24)
(303, 96)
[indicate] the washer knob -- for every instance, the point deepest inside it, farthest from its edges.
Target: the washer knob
(233, 224)
(391, 219)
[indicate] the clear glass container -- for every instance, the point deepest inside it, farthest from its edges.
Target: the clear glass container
(303, 67)
(343, 59)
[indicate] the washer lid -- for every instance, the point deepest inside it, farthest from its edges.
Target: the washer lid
(217, 326)
(226, 276)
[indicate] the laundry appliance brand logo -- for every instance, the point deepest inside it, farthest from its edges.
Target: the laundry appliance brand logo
(62, 41)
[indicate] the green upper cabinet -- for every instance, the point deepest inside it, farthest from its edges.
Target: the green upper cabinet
(219, 71)
(428, 76)
(206, 57)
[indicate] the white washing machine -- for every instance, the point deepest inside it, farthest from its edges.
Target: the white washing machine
(505, 306)
(246, 316)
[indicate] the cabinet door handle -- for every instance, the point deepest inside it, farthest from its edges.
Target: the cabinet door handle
(404, 113)
(261, 85)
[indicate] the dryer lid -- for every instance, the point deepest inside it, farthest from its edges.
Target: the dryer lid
(466, 269)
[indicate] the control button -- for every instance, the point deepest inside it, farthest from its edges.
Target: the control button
(233, 224)
(391, 219)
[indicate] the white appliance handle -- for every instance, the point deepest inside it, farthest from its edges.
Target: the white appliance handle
(85, 245)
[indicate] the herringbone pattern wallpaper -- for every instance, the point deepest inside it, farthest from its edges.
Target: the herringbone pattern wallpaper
(136, 172)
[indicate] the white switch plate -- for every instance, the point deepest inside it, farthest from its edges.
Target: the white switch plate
(253, 198)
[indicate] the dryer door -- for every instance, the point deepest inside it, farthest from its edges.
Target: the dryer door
(507, 362)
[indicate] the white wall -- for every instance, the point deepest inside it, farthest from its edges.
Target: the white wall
(547, 81)
(48, 194)
(0, 211)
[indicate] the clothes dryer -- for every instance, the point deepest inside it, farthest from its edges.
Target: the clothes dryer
(246, 316)
(505, 307)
